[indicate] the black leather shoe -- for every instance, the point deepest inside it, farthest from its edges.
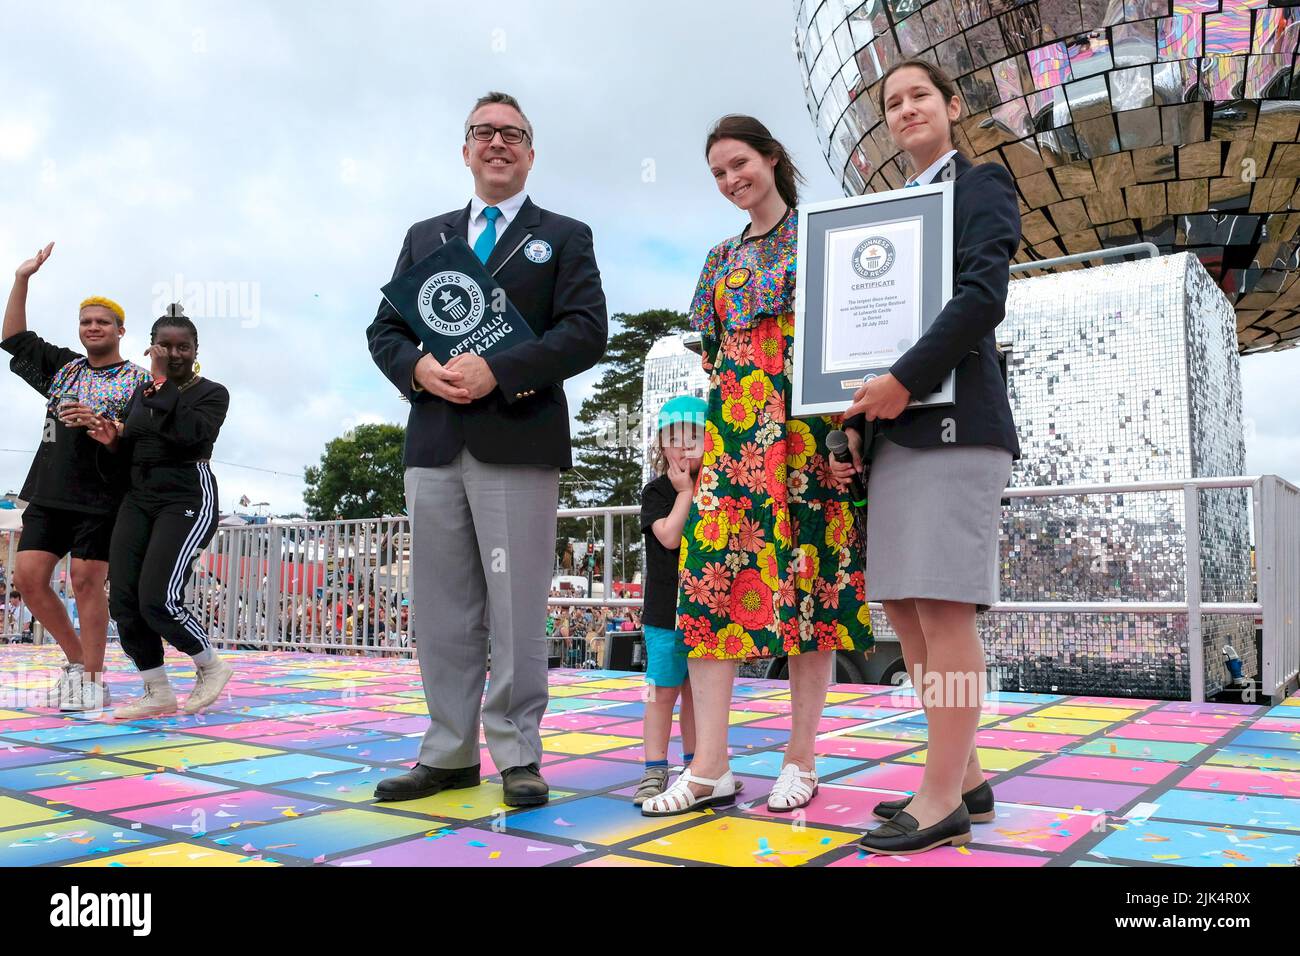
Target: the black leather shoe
(524, 786)
(422, 781)
(979, 804)
(902, 835)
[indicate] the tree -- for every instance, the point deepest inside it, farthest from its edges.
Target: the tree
(607, 451)
(359, 476)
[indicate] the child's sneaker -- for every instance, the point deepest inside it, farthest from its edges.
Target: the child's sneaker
(652, 784)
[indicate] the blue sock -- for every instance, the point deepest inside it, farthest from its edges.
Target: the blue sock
(655, 763)
(687, 758)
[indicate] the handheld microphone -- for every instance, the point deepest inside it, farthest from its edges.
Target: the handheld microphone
(838, 445)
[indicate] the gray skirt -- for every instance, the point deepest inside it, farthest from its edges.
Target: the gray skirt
(933, 517)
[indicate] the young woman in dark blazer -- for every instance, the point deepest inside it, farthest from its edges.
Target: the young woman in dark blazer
(938, 473)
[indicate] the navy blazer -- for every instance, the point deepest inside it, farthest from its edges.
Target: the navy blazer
(525, 419)
(986, 234)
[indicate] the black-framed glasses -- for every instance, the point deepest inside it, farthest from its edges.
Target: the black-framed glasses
(510, 135)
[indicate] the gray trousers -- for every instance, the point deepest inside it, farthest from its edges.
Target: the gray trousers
(482, 553)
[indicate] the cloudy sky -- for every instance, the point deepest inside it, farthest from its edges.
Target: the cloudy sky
(275, 153)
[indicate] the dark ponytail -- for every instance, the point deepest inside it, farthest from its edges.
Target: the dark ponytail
(754, 134)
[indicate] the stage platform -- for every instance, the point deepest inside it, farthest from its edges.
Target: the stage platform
(282, 772)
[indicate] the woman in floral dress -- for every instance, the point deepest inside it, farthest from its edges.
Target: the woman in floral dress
(769, 557)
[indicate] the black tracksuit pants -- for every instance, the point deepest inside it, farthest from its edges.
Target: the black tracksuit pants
(165, 520)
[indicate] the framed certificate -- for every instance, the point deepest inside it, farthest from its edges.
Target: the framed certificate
(874, 273)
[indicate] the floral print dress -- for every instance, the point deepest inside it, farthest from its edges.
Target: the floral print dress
(770, 562)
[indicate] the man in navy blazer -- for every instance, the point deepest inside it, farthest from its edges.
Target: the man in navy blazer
(485, 441)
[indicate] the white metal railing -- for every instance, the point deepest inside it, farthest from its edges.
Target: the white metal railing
(342, 586)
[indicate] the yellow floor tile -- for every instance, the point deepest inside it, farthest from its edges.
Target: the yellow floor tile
(991, 758)
(580, 743)
(740, 841)
(176, 854)
(471, 803)
(197, 755)
(414, 707)
(16, 813)
(1049, 725)
(610, 683)
(1088, 713)
(360, 675)
(839, 697)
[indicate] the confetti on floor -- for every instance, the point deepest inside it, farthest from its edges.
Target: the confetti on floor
(282, 771)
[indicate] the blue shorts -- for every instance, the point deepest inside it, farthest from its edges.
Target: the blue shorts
(665, 652)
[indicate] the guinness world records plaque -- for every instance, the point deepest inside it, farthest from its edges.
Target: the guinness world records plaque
(873, 274)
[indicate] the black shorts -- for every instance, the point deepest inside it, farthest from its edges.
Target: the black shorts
(61, 531)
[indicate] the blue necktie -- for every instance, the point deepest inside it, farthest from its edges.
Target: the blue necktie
(488, 237)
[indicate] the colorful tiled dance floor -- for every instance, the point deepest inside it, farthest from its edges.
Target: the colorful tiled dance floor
(282, 773)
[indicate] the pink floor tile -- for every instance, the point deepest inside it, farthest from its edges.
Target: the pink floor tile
(860, 748)
(1191, 735)
(899, 777)
(1175, 719)
(243, 730)
(1133, 703)
(342, 718)
(615, 725)
(1264, 723)
(826, 726)
(1256, 783)
(131, 791)
(1112, 769)
(402, 724)
(1032, 828)
(1023, 740)
(30, 723)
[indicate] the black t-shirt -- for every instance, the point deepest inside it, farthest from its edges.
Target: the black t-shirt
(660, 593)
(72, 470)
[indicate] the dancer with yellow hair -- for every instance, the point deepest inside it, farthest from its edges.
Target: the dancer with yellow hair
(75, 485)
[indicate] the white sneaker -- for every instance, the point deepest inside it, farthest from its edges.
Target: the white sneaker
(793, 789)
(94, 695)
(208, 684)
(69, 687)
(158, 699)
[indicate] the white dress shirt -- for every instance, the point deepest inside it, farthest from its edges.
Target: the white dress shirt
(478, 222)
(922, 180)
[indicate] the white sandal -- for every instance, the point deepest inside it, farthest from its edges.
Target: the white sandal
(792, 789)
(679, 798)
